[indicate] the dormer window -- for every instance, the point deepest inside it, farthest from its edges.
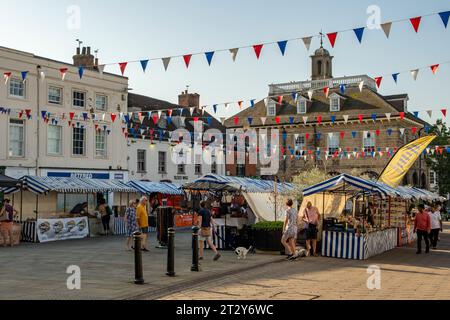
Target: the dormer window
(271, 109)
(335, 102)
(301, 106)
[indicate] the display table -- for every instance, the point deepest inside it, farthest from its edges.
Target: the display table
(346, 245)
(16, 231)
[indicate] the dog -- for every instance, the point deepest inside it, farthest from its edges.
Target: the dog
(242, 252)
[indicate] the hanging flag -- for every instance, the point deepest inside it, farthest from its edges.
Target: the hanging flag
(333, 119)
(402, 115)
(416, 114)
(209, 57)
(377, 132)
(144, 64)
(430, 113)
(252, 103)
(63, 72)
(387, 28)
(187, 59)
(360, 117)
(395, 76)
(326, 90)
(85, 116)
(258, 49)
(345, 119)
(71, 115)
(307, 136)
(310, 94)
(294, 96)
(305, 120)
(113, 117)
(166, 62)
(402, 131)
(404, 159)
(222, 120)
(277, 120)
(374, 117)
(342, 135)
(359, 33)
(332, 38)
(342, 88)
(414, 130)
(444, 16)
(280, 99)
(215, 108)
(263, 120)
(307, 42)
(250, 120)
(7, 75)
(123, 66)
(319, 135)
(434, 68)
(236, 121)
(378, 81)
(414, 74)
(291, 120)
(234, 53)
(282, 46)
(354, 133)
(444, 112)
(42, 75)
(24, 75)
(389, 131)
(319, 119)
(416, 23)
(43, 114)
(388, 117)
(361, 86)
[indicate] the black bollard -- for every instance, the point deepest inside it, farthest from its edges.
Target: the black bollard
(139, 273)
(171, 253)
(195, 267)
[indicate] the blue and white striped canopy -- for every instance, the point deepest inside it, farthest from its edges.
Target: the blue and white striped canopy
(43, 185)
(420, 194)
(165, 188)
(227, 183)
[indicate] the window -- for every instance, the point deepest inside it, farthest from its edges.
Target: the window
(333, 142)
(214, 167)
(162, 163)
(141, 161)
(369, 141)
(16, 138)
(301, 106)
(240, 170)
(79, 142)
(181, 163)
(79, 99)
(101, 138)
(54, 140)
(101, 102)
(335, 104)
(271, 109)
(16, 88)
(300, 144)
(198, 165)
(181, 169)
(54, 95)
(433, 178)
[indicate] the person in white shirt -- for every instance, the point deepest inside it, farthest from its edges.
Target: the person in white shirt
(436, 225)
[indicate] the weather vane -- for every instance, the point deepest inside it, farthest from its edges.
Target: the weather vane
(321, 38)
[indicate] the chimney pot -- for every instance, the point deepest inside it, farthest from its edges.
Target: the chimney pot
(88, 50)
(78, 51)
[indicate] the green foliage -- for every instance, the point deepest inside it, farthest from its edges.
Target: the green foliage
(307, 179)
(269, 226)
(440, 163)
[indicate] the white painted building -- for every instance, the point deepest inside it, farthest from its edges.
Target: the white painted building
(30, 146)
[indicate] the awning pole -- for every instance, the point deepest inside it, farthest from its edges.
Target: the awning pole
(37, 206)
(87, 198)
(21, 204)
(65, 204)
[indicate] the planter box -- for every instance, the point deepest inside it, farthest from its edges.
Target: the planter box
(268, 240)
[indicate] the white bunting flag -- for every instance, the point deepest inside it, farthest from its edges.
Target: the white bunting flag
(305, 120)
(345, 119)
(159, 114)
(433, 151)
(387, 28)
(349, 156)
(296, 138)
(361, 86)
(103, 116)
(330, 135)
(430, 113)
(402, 131)
(307, 42)
(263, 120)
(141, 117)
(222, 120)
(414, 74)
(234, 53)
(166, 62)
(121, 115)
(192, 111)
(310, 94)
(388, 116)
(266, 101)
(182, 120)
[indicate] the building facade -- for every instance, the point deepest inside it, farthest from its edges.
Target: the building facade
(153, 150)
(53, 123)
(342, 125)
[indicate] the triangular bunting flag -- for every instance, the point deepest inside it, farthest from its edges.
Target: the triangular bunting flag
(345, 118)
(332, 38)
(444, 112)
(187, 60)
(389, 132)
(378, 81)
(24, 75)
(310, 94)
(113, 117)
(430, 113)
(234, 53)
(258, 49)
(402, 131)
(326, 91)
(222, 120)
(101, 69)
(215, 108)
(209, 57)
(444, 16)
(402, 115)
(166, 62)
(416, 23)
(359, 33)
(250, 120)
(361, 86)
(434, 68)
(263, 120)
(81, 72)
(280, 99)
(342, 88)
(414, 74)
(123, 66)
(416, 114)
(387, 28)
(63, 72)
(282, 46)
(395, 76)
(144, 64)
(388, 116)
(307, 42)
(305, 120)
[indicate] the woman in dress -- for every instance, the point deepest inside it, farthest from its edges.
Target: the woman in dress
(290, 231)
(131, 222)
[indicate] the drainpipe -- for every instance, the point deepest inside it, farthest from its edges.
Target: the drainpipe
(38, 68)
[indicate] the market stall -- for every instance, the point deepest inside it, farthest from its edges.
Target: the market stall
(9, 183)
(349, 230)
(45, 205)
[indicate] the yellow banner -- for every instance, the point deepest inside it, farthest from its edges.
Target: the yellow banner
(404, 160)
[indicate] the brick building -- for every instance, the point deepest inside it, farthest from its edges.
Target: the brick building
(350, 129)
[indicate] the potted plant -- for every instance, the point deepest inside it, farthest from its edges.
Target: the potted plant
(267, 236)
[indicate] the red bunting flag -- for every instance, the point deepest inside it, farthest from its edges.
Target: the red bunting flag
(187, 59)
(196, 119)
(360, 117)
(96, 127)
(444, 112)
(416, 23)
(283, 150)
(307, 136)
(20, 114)
(280, 99)
(169, 113)
(402, 115)
(70, 123)
(414, 130)
(236, 120)
(278, 120)
(342, 135)
(258, 49)
(240, 104)
(332, 38)
(123, 66)
(319, 119)
(326, 91)
(378, 132)
(63, 72)
(378, 81)
(71, 115)
(28, 113)
(155, 119)
(113, 117)
(434, 68)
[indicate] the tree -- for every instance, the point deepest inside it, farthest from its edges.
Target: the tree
(307, 179)
(439, 161)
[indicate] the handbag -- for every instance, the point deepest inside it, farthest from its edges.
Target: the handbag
(302, 225)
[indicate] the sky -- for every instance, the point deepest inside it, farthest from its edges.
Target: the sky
(142, 29)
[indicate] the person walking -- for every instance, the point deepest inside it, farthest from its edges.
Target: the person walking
(142, 219)
(132, 225)
(106, 213)
(7, 215)
(290, 231)
(311, 217)
(205, 222)
(436, 226)
(422, 226)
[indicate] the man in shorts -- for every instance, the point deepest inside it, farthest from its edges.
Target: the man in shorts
(311, 217)
(206, 222)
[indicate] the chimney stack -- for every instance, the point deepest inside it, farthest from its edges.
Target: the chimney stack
(84, 59)
(189, 100)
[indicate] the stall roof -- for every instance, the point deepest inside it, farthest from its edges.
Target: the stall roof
(227, 183)
(420, 194)
(42, 185)
(8, 182)
(147, 187)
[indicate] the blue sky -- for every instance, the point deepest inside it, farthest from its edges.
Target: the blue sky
(138, 29)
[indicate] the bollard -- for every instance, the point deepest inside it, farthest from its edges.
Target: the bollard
(171, 253)
(139, 274)
(195, 267)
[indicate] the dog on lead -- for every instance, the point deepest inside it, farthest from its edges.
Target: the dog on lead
(242, 252)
